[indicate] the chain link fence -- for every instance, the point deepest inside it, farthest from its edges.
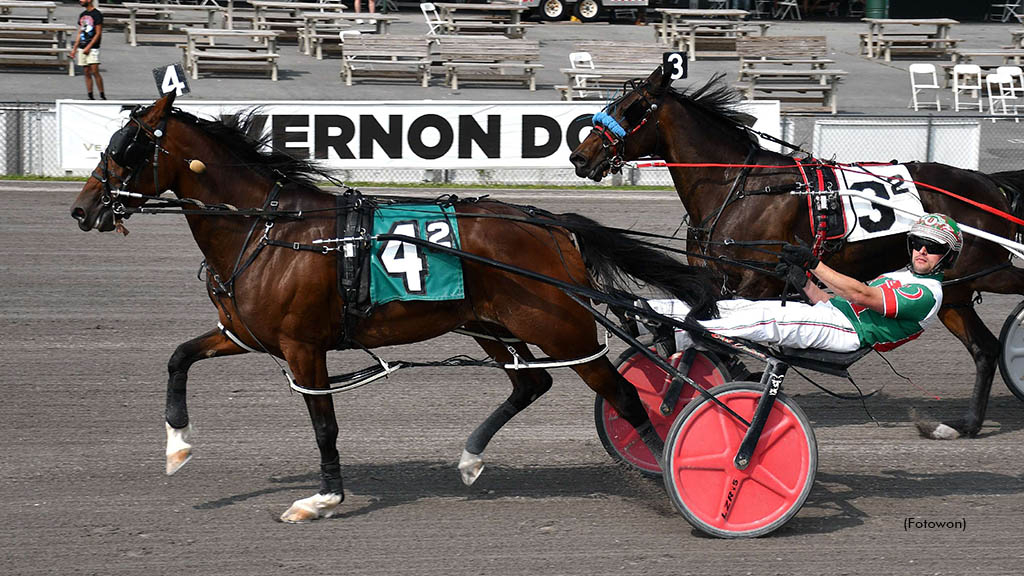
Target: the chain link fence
(29, 145)
(29, 139)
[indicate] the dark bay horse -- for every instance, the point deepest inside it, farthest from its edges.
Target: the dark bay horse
(703, 127)
(287, 302)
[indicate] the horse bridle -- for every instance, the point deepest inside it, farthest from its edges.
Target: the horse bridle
(130, 147)
(612, 133)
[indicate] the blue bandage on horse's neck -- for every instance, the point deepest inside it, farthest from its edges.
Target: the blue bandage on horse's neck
(603, 119)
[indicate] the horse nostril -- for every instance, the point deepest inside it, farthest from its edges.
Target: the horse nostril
(577, 159)
(78, 214)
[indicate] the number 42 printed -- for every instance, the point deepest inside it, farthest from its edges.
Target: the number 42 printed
(405, 260)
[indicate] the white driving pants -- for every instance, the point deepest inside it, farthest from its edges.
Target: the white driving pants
(795, 325)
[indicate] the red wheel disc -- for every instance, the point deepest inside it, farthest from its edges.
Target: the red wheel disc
(651, 384)
(711, 492)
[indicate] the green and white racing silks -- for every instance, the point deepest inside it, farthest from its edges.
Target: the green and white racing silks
(911, 303)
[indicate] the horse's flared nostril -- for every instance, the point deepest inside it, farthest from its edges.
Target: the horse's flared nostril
(78, 213)
(577, 159)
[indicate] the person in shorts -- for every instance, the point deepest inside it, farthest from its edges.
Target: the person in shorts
(86, 51)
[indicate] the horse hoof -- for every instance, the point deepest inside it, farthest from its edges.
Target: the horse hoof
(308, 509)
(470, 466)
(179, 451)
(177, 460)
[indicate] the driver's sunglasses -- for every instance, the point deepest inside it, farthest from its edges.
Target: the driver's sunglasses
(936, 248)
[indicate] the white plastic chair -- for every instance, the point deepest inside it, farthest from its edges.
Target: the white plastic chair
(1001, 98)
(581, 61)
(435, 25)
(785, 7)
(343, 33)
(1017, 75)
(967, 77)
(931, 82)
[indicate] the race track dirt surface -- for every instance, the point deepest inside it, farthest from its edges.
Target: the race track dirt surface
(90, 320)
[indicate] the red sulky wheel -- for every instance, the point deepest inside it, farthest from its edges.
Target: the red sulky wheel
(714, 496)
(619, 438)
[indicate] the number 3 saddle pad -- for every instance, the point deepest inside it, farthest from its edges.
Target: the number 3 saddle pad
(853, 218)
(405, 271)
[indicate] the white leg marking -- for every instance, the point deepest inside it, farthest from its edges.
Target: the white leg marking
(470, 465)
(943, 432)
(179, 451)
(309, 509)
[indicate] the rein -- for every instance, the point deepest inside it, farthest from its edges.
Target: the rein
(855, 168)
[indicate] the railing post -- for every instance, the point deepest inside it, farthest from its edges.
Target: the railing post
(929, 153)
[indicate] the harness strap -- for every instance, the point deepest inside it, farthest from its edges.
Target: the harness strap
(737, 185)
(231, 336)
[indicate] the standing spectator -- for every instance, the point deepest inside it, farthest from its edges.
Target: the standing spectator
(369, 3)
(87, 49)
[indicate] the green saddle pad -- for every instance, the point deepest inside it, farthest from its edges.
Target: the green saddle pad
(404, 271)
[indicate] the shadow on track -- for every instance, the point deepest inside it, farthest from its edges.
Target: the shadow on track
(396, 484)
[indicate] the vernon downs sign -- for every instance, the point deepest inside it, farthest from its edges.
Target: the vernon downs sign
(369, 135)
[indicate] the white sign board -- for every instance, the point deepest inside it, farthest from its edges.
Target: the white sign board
(953, 142)
(376, 135)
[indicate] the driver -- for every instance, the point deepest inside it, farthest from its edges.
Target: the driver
(884, 313)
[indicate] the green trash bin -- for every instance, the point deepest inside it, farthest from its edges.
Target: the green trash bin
(876, 8)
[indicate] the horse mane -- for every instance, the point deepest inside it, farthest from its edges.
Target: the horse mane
(239, 135)
(717, 100)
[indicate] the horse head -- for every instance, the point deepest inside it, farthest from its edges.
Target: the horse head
(651, 119)
(625, 130)
(131, 163)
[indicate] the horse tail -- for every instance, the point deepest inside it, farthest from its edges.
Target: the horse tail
(1011, 183)
(613, 258)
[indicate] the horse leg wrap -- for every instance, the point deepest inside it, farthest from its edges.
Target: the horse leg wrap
(176, 412)
(330, 478)
(478, 440)
(654, 442)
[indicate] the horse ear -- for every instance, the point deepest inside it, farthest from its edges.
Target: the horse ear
(747, 120)
(163, 106)
(658, 80)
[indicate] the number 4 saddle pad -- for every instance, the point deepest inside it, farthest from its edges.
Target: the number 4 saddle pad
(853, 218)
(405, 271)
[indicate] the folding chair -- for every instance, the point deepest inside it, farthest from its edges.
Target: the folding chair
(435, 25)
(581, 61)
(1016, 75)
(967, 77)
(931, 82)
(1001, 99)
(763, 8)
(785, 7)
(718, 4)
(1004, 11)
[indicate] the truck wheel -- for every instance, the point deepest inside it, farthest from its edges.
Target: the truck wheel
(552, 10)
(588, 10)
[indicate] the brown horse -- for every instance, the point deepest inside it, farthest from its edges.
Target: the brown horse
(287, 302)
(703, 127)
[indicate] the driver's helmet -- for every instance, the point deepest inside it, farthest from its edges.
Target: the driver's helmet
(940, 232)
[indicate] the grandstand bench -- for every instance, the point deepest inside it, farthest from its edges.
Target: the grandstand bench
(387, 56)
